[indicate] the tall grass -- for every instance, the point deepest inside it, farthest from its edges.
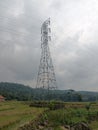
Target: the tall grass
(74, 114)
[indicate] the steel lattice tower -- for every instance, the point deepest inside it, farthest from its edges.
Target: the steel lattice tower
(46, 76)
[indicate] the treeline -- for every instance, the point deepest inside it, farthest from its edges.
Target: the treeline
(14, 91)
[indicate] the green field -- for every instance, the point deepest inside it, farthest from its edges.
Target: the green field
(73, 113)
(14, 114)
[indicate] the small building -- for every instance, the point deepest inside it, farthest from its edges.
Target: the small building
(2, 98)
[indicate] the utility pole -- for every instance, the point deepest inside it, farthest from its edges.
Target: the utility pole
(46, 76)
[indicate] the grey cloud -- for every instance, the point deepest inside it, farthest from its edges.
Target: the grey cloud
(75, 59)
(82, 70)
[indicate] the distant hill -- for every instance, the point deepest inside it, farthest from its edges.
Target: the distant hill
(89, 96)
(14, 91)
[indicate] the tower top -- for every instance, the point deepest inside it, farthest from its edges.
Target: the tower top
(47, 22)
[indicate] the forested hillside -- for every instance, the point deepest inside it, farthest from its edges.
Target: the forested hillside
(14, 91)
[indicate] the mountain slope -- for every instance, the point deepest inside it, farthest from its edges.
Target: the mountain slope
(14, 91)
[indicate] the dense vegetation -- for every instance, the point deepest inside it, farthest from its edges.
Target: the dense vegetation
(22, 93)
(74, 113)
(15, 91)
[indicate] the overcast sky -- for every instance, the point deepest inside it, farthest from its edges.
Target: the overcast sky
(74, 45)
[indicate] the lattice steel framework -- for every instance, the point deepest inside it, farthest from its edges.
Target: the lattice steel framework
(46, 76)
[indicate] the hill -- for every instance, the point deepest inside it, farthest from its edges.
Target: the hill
(22, 93)
(15, 91)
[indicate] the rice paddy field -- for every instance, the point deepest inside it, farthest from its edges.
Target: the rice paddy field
(14, 114)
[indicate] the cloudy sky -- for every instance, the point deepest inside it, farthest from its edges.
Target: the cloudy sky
(74, 45)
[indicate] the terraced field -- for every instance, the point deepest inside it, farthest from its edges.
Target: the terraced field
(14, 114)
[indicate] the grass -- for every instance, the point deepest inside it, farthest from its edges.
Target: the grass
(73, 113)
(14, 114)
(69, 117)
(94, 125)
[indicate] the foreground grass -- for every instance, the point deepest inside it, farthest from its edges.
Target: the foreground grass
(14, 114)
(94, 125)
(72, 114)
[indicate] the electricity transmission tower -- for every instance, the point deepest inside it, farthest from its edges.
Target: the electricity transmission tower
(46, 76)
